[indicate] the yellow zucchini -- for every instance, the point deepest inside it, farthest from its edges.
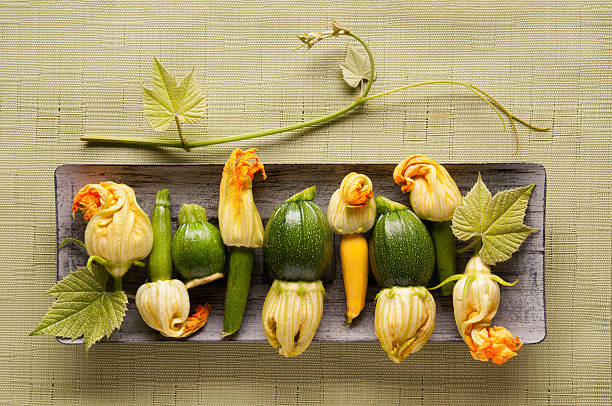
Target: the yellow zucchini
(354, 257)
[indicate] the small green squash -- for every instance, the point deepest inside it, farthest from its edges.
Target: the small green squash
(198, 252)
(401, 250)
(298, 240)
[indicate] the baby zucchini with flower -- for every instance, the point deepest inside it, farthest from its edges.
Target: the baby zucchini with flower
(475, 303)
(118, 235)
(402, 258)
(297, 249)
(164, 303)
(434, 196)
(351, 212)
(496, 226)
(242, 229)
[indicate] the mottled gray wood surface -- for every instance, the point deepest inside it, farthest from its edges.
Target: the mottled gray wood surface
(521, 309)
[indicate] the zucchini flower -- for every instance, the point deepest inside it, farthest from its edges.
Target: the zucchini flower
(351, 212)
(433, 193)
(239, 219)
(118, 233)
(404, 319)
(351, 208)
(475, 302)
(297, 307)
(164, 306)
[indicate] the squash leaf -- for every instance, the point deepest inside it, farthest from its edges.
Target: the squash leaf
(497, 220)
(82, 307)
(165, 100)
(356, 67)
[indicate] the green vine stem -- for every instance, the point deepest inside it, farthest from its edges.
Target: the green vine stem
(74, 240)
(310, 40)
(180, 133)
(472, 244)
(117, 283)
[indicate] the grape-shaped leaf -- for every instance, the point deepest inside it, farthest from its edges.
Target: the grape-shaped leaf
(83, 308)
(356, 67)
(498, 220)
(167, 101)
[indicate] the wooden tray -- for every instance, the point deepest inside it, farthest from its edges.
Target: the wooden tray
(521, 309)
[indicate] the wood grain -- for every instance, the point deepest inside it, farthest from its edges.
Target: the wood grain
(521, 309)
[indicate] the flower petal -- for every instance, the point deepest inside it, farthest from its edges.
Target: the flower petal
(239, 220)
(494, 343)
(433, 193)
(351, 208)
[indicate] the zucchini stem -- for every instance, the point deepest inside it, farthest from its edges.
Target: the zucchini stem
(471, 245)
(180, 133)
(117, 283)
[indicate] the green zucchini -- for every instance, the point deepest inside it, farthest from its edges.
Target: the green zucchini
(401, 251)
(402, 258)
(298, 240)
(238, 285)
(446, 260)
(297, 248)
(159, 265)
(198, 252)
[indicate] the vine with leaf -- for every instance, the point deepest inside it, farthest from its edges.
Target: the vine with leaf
(166, 101)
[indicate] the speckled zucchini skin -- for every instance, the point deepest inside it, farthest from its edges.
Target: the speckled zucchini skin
(198, 250)
(298, 242)
(401, 251)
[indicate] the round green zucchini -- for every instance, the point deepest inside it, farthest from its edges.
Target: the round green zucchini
(198, 252)
(298, 240)
(401, 250)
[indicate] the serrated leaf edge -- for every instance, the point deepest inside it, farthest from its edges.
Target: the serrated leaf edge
(461, 222)
(165, 100)
(95, 280)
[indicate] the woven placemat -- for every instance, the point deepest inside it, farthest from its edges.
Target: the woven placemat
(74, 68)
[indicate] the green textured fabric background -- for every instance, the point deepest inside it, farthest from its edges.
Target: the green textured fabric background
(73, 68)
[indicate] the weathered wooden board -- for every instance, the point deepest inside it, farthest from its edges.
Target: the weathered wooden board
(521, 310)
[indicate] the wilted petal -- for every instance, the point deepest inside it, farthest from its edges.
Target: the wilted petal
(89, 199)
(494, 343)
(164, 306)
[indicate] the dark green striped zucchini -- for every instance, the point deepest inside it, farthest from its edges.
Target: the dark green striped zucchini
(401, 251)
(298, 240)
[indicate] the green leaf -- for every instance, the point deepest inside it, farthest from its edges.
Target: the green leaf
(166, 100)
(83, 308)
(498, 220)
(356, 67)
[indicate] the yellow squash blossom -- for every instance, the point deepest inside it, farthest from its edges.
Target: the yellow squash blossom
(351, 208)
(118, 233)
(292, 309)
(164, 306)
(239, 220)
(404, 319)
(475, 302)
(433, 193)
